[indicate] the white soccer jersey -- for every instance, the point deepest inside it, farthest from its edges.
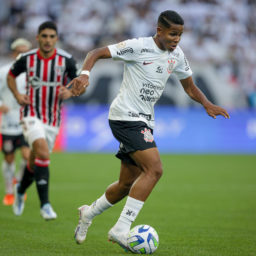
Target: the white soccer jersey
(10, 124)
(146, 71)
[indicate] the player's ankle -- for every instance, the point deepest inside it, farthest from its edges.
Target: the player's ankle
(122, 226)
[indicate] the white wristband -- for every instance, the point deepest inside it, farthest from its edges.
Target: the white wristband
(85, 72)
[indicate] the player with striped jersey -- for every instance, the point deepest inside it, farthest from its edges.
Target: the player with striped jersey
(47, 69)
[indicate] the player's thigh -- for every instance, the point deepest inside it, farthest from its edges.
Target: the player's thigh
(33, 130)
(148, 159)
(25, 151)
(40, 148)
(128, 173)
(51, 135)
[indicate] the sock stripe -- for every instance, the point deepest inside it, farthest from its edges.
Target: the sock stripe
(42, 162)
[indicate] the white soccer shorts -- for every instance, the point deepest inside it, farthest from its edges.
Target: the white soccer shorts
(34, 129)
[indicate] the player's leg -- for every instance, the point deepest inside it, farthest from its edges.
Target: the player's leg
(150, 163)
(151, 170)
(121, 188)
(114, 193)
(41, 170)
(28, 173)
(21, 187)
(128, 176)
(25, 151)
(37, 137)
(8, 170)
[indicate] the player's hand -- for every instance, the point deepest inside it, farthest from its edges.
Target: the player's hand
(79, 84)
(64, 93)
(23, 99)
(214, 110)
(4, 109)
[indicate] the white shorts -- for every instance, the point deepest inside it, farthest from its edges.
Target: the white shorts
(34, 129)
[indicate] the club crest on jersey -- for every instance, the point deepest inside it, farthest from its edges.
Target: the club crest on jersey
(171, 65)
(148, 137)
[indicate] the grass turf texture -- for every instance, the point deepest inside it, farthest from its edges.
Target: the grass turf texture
(202, 206)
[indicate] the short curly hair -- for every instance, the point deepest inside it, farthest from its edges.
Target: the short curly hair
(167, 17)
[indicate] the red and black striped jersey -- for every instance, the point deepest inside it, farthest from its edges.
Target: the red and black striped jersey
(44, 79)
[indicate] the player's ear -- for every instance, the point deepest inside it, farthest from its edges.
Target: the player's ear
(159, 30)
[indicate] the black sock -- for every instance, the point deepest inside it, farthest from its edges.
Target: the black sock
(26, 180)
(42, 179)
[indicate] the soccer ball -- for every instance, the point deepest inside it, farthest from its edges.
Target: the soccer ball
(143, 239)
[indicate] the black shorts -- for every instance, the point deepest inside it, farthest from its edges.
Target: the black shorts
(11, 142)
(132, 136)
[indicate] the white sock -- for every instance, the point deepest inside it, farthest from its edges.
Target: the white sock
(8, 174)
(98, 206)
(23, 164)
(128, 215)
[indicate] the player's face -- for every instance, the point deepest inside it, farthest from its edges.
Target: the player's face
(169, 37)
(47, 40)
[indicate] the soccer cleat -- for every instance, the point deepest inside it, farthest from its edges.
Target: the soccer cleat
(19, 201)
(83, 224)
(8, 199)
(120, 238)
(47, 212)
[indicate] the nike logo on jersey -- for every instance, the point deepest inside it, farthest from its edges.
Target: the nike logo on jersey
(147, 63)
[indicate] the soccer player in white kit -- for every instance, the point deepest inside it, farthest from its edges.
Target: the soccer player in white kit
(148, 63)
(11, 130)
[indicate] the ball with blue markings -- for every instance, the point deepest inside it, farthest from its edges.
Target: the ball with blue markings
(143, 239)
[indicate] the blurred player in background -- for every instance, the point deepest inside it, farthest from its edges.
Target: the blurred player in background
(47, 69)
(148, 63)
(11, 130)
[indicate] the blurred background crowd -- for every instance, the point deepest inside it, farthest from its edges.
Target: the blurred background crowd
(219, 33)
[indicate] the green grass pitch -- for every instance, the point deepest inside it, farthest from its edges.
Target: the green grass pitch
(204, 205)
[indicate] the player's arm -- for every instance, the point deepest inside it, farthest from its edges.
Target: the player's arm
(22, 99)
(196, 94)
(80, 83)
(71, 68)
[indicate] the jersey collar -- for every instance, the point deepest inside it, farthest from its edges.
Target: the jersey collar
(42, 58)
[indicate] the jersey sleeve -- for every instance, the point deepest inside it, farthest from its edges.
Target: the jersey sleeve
(183, 70)
(127, 50)
(71, 68)
(19, 66)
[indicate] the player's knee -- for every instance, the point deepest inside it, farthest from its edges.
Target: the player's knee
(41, 150)
(155, 170)
(158, 171)
(42, 154)
(125, 187)
(9, 158)
(25, 153)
